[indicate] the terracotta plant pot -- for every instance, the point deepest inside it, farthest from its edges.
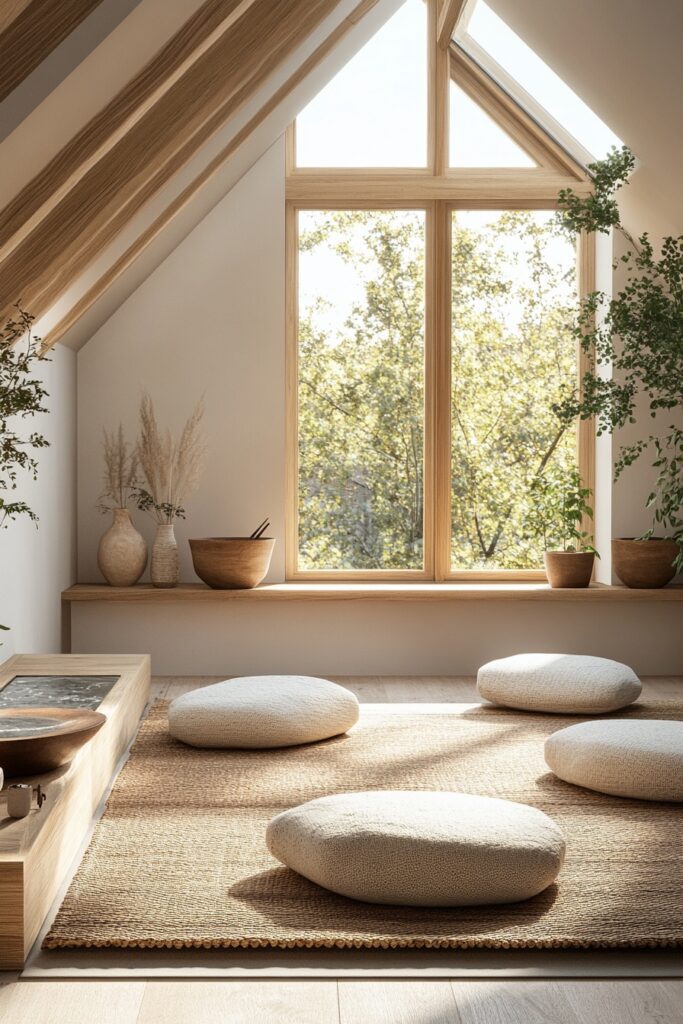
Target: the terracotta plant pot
(232, 563)
(569, 568)
(644, 564)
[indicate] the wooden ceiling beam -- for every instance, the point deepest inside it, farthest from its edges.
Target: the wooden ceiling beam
(92, 143)
(30, 30)
(449, 16)
(135, 250)
(159, 143)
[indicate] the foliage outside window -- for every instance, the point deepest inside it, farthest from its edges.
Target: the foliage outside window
(513, 357)
(361, 390)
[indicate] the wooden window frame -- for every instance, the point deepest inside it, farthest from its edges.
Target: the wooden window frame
(437, 190)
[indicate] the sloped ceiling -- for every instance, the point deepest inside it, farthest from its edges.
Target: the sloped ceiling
(623, 57)
(162, 148)
(30, 30)
(137, 143)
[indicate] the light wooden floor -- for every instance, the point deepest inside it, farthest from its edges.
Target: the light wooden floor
(340, 1001)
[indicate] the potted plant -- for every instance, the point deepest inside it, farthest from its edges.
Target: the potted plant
(559, 509)
(639, 331)
(21, 396)
(122, 552)
(171, 469)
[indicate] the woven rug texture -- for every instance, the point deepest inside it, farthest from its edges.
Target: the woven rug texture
(179, 859)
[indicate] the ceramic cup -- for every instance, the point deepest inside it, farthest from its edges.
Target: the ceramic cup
(19, 797)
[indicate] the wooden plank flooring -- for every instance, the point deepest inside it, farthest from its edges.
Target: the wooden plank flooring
(349, 1001)
(343, 1002)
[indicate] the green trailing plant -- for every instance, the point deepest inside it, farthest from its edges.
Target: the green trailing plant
(21, 397)
(639, 331)
(559, 507)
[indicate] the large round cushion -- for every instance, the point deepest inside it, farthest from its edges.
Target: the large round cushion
(420, 848)
(262, 711)
(638, 758)
(574, 684)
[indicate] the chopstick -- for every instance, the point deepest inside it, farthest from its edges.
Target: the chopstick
(260, 529)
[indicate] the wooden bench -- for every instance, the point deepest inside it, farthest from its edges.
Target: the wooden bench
(36, 852)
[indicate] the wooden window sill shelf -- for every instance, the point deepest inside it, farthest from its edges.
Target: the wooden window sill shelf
(327, 591)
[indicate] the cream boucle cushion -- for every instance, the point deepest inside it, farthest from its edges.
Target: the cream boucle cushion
(639, 758)
(420, 848)
(263, 711)
(565, 683)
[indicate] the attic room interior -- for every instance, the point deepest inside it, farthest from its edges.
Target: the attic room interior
(341, 495)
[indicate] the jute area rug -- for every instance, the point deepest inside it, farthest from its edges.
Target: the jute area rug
(179, 859)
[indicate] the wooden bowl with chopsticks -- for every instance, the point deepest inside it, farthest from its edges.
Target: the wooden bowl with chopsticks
(233, 563)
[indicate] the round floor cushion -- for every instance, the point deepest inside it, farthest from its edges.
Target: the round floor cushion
(263, 711)
(561, 683)
(421, 849)
(639, 758)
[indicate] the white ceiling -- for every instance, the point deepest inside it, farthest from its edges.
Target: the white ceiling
(623, 57)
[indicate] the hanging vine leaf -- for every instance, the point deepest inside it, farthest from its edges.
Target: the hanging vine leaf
(639, 331)
(21, 396)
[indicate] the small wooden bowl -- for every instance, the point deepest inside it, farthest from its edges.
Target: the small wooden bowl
(232, 563)
(57, 734)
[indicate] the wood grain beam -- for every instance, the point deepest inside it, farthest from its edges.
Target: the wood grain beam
(156, 146)
(29, 32)
(127, 258)
(449, 15)
(99, 136)
(468, 189)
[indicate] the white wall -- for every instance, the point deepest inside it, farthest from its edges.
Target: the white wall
(376, 638)
(210, 320)
(622, 57)
(37, 564)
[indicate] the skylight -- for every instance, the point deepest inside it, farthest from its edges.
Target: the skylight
(548, 93)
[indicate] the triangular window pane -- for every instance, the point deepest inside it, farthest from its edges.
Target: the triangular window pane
(374, 111)
(475, 138)
(535, 81)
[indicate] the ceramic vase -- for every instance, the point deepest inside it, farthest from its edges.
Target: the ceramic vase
(165, 571)
(122, 552)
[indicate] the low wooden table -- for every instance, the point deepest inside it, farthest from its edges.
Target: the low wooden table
(36, 852)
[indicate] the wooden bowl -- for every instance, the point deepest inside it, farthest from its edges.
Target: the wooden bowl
(232, 563)
(36, 740)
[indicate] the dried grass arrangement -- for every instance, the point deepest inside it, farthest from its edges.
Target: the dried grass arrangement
(171, 468)
(120, 471)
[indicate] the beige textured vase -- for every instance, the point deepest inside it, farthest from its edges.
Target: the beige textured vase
(165, 571)
(122, 552)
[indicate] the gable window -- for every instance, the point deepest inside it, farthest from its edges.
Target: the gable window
(430, 301)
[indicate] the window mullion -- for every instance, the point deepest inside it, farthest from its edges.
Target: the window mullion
(441, 298)
(439, 67)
